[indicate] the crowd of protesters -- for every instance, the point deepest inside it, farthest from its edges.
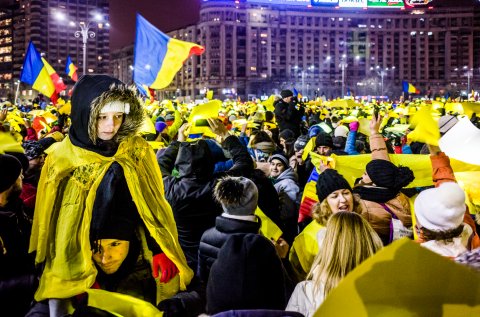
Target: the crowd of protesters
(93, 205)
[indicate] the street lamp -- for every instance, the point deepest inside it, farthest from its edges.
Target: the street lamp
(85, 33)
(343, 65)
(382, 72)
(302, 74)
(469, 74)
(17, 92)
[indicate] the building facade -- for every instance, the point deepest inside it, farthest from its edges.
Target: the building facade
(258, 47)
(52, 25)
(121, 64)
(6, 53)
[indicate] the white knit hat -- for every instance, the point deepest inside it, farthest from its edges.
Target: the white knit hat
(341, 130)
(116, 106)
(441, 208)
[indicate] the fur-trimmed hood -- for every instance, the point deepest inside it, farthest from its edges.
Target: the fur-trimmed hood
(90, 95)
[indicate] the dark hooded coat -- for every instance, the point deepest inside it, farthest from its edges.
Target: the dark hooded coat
(191, 193)
(17, 272)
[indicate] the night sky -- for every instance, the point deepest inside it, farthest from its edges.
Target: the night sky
(169, 15)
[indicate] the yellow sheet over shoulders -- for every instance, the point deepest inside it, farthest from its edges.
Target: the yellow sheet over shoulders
(61, 225)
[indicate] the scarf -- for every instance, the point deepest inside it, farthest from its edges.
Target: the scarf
(375, 194)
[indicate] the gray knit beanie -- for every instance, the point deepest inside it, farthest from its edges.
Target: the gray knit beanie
(237, 195)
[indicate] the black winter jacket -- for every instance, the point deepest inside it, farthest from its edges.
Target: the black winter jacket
(214, 238)
(191, 193)
(17, 271)
(288, 117)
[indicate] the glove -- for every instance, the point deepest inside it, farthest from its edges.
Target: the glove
(172, 307)
(354, 126)
(167, 267)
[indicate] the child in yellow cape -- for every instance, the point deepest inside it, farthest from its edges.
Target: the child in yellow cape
(101, 171)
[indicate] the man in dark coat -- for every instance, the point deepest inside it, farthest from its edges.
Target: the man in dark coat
(286, 113)
(191, 193)
(248, 274)
(17, 278)
(238, 197)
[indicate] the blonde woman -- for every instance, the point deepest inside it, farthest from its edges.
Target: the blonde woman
(349, 240)
(334, 195)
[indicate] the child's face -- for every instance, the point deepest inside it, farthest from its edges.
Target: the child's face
(111, 254)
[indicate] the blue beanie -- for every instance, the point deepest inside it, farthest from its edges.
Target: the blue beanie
(160, 126)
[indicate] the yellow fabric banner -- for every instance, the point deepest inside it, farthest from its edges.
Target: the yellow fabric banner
(305, 248)
(268, 228)
(426, 128)
(121, 305)
(405, 279)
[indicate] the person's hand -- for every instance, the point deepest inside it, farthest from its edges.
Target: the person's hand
(181, 132)
(27, 123)
(244, 127)
(433, 149)
(218, 128)
(263, 166)
(267, 131)
(375, 124)
(3, 114)
(161, 263)
(281, 246)
(354, 126)
(323, 166)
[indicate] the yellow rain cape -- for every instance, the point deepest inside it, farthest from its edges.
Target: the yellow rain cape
(61, 225)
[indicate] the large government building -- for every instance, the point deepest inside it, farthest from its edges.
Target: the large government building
(257, 47)
(52, 26)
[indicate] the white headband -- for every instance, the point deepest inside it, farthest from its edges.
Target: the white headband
(116, 106)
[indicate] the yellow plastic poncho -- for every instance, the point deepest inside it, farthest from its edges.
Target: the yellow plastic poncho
(61, 225)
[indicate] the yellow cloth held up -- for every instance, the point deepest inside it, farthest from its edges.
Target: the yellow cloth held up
(305, 248)
(269, 103)
(268, 228)
(426, 128)
(121, 305)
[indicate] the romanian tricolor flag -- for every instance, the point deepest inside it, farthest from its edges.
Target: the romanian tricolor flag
(309, 197)
(35, 73)
(409, 88)
(148, 92)
(57, 80)
(71, 69)
(157, 56)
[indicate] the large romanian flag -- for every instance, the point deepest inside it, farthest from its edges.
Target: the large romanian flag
(409, 88)
(71, 69)
(157, 56)
(57, 80)
(35, 73)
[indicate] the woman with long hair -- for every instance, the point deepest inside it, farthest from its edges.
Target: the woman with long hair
(334, 195)
(349, 240)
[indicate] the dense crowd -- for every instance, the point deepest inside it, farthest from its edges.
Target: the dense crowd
(112, 205)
